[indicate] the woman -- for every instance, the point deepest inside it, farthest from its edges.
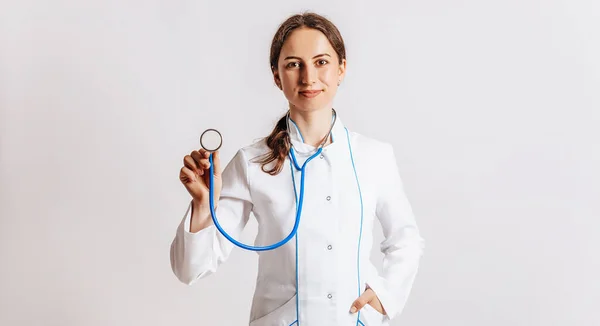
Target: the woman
(324, 275)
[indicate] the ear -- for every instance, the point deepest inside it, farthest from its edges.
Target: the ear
(342, 70)
(276, 78)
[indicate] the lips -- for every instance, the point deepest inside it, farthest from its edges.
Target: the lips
(310, 94)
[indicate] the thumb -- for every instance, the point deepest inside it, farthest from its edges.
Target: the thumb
(359, 303)
(216, 164)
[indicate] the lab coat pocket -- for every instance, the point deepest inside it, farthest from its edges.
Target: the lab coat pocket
(371, 317)
(285, 315)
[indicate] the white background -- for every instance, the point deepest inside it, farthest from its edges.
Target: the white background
(492, 107)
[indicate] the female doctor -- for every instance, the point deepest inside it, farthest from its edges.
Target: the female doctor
(324, 275)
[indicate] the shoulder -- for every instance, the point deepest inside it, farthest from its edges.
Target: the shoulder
(249, 154)
(373, 153)
(254, 150)
(244, 161)
(371, 144)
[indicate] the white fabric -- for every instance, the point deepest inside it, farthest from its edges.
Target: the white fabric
(327, 276)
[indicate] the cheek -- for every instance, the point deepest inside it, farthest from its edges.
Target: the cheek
(329, 76)
(289, 79)
(289, 82)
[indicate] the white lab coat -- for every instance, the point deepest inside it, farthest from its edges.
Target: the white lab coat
(332, 270)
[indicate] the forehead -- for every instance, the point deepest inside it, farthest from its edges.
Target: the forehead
(306, 43)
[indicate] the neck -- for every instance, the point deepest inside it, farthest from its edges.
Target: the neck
(314, 125)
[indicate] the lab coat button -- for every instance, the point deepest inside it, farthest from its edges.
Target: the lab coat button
(321, 157)
(329, 296)
(328, 198)
(329, 247)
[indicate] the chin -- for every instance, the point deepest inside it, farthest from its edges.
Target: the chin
(304, 104)
(308, 106)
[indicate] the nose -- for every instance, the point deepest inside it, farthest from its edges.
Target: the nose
(309, 75)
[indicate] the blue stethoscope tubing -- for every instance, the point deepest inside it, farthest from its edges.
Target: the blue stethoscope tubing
(298, 213)
(300, 201)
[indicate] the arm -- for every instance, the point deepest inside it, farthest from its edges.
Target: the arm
(195, 255)
(403, 245)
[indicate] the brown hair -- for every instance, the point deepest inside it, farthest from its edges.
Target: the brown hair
(279, 140)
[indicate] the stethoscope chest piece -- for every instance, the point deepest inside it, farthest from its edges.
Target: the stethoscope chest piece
(211, 140)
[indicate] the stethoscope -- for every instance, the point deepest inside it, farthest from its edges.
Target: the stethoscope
(211, 140)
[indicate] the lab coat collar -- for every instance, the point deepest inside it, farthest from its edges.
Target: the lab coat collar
(338, 137)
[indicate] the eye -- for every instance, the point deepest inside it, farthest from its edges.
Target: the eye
(322, 62)
(293, 65)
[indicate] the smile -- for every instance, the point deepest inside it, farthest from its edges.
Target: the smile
(310, 94)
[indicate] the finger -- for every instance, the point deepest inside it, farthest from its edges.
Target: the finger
(197, 156)
(359, 303)
(204, 153)
(201, 162)
(195, 164)
(190, 163)
(376, 304)
(217, 163)
(186, 175)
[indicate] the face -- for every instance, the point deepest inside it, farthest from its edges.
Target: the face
(308, 71)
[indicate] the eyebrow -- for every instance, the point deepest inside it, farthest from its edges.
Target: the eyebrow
(318, 55)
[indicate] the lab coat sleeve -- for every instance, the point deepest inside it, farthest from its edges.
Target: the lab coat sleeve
(197, 255)
(402, 245)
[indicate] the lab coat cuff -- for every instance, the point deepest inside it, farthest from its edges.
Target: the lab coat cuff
(200, 240)
(386, 298)
(186, 227)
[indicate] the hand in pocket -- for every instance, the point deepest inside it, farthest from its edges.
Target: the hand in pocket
(368, 297)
